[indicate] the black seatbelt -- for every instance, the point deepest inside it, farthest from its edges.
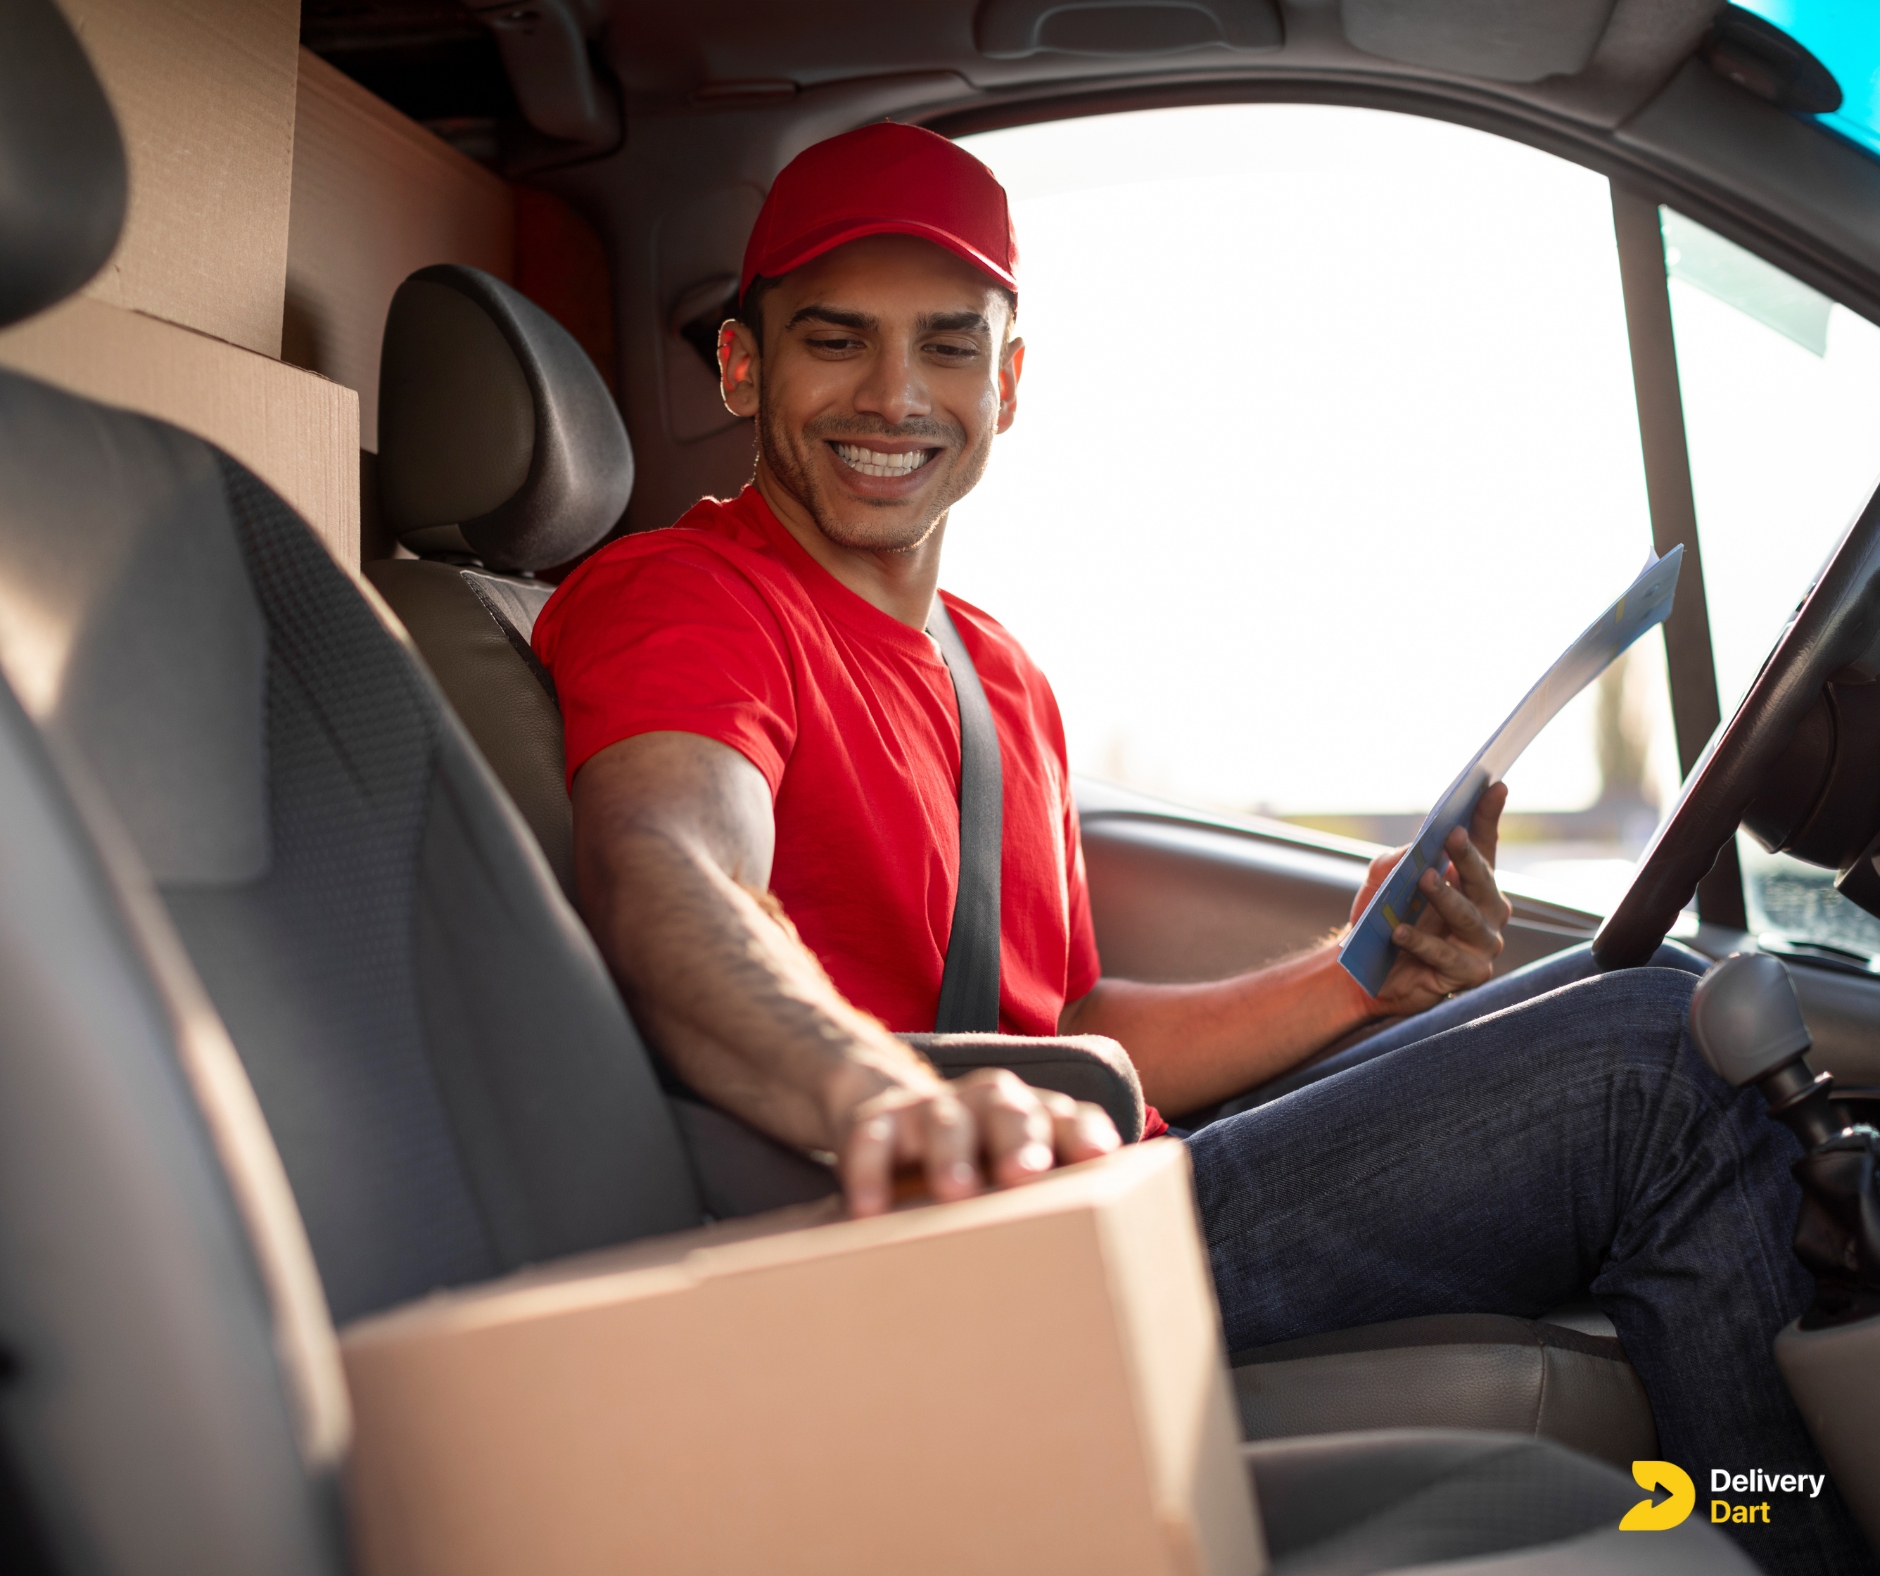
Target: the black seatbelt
(969, 988)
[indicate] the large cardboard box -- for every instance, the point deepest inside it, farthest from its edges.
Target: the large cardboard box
(295, 430)
(1030, 1381)
(204, 95)
(375, 197)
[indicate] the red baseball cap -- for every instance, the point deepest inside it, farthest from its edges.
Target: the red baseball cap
(883, 180)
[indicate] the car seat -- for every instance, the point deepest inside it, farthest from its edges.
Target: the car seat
(266, 919)
(500, 453)
(169, 1404)
(491, 413)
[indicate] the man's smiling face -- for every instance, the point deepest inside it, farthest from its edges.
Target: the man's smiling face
(885, 372)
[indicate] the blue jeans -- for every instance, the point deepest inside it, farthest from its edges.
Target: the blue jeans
(1553, 1131)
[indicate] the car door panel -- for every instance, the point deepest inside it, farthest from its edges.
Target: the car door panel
(1177, 900)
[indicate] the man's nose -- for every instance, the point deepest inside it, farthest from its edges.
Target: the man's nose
(893, 388)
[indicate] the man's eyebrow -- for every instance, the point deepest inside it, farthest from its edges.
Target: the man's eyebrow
(834, 316)
(953, 323)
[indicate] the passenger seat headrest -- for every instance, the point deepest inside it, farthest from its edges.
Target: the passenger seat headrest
(62, 175)
(496, 434)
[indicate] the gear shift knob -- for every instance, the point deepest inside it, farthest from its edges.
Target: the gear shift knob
(1748, 1025)
(1746, 1020)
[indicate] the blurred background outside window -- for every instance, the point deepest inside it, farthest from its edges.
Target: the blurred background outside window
(1326, 448)
(1781, 392)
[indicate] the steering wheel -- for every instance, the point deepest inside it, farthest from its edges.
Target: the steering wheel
(1837, 624)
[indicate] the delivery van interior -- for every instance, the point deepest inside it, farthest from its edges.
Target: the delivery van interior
(345, 1220)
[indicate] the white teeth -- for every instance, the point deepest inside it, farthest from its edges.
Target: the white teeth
(870, 462)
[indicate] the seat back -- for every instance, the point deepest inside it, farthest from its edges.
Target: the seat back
(170, 1398)
(448, 1071)
(170, 1391)
(499, 446)
(472, 629)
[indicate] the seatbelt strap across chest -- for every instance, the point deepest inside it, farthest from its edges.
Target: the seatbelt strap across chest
(969, 986)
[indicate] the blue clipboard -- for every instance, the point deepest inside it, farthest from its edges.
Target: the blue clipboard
(1367, 953)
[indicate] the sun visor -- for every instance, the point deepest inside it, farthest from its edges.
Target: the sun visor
(1017, 29)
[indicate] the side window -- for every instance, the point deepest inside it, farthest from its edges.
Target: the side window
(1781, 392)
(1326, 446)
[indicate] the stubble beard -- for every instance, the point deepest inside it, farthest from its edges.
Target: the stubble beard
(885, 533)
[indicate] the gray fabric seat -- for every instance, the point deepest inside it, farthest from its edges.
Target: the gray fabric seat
(1477, 1371)
(146, 1420)
(451, 1078)
(500, 453)
(1450, 1501)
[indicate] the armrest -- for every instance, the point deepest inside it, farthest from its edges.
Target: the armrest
(741, 1171)
(1083, 1066)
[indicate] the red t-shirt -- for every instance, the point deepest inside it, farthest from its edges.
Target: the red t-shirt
(724, 626)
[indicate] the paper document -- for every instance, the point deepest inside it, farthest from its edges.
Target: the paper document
(1368, 952)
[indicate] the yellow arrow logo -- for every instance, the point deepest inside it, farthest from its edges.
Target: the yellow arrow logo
(1662, 1517)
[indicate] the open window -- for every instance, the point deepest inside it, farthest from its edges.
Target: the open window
(1338, 423)
(1327, 446)
(1780, 393)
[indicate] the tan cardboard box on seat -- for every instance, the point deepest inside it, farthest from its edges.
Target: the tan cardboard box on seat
(295, 430)
(1030, 1381)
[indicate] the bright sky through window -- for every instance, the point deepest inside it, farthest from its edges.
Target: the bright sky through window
(1326, 447)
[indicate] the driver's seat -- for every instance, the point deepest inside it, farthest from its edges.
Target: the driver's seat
(1564, 1377)
(1568, 1381)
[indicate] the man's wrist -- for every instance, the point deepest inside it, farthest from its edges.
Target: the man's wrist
(863, 1074)
(1365, 1008)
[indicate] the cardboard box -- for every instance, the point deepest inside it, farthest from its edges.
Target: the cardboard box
(1031, 1381)
(295, 430)
(204, 96)
(375, 197)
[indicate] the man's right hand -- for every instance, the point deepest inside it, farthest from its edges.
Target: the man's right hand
(988, 1126)
(673, 842)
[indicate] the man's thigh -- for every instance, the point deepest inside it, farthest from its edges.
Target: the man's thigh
(1486, 1169)
(1512, 989)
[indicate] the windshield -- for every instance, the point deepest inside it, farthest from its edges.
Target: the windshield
(1846, 39)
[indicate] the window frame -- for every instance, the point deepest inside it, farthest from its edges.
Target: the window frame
(1639, 186)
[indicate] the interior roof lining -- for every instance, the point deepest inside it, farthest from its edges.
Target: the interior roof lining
(1595, 148)
(1640, 47)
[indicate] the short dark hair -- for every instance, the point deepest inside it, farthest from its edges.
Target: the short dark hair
(750, 308)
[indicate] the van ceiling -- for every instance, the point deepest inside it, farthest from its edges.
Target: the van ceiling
(432, 59)
(1593, 60)
(1591, 57)
(719, 94)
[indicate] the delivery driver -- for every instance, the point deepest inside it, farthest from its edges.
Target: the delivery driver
(757, 721)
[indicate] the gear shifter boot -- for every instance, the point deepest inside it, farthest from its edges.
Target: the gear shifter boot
(1748, 1026)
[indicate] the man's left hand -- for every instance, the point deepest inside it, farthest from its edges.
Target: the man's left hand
(1454, 944)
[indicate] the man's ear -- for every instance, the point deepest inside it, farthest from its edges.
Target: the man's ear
(737, 367)
(1010, 368)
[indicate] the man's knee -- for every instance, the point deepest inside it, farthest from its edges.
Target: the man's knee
(1675, 955)
(1638, 1017)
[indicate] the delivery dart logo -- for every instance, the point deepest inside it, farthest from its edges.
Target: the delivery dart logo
(1668, 1513)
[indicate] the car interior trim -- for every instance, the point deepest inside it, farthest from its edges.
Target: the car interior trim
(1803, 186)
(1664, 446)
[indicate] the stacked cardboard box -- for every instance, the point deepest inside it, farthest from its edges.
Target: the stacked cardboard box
(184, 321)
